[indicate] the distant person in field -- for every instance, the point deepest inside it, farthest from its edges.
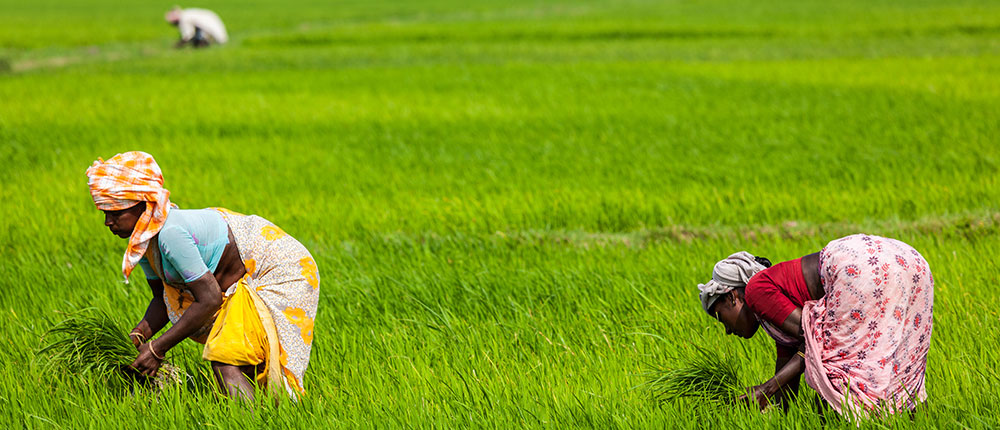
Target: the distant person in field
(199, 27)
(236, 283)
(855, 317)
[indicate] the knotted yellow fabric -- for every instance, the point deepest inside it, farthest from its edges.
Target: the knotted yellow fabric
(241, 334)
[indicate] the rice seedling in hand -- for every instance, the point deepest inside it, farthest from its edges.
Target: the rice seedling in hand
(705, 376)
(90, 343)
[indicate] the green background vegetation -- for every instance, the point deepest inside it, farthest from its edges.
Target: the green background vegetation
(511, 202)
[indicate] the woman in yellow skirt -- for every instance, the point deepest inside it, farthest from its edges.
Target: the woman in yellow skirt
(238, 284)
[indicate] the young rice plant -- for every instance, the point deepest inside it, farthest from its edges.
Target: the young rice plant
(705, 376)
(92, 344)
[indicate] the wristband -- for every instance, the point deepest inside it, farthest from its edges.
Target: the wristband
(142, 339)
(151, 351)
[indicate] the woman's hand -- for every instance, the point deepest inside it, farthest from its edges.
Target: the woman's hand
(759, 396)
(148, 363)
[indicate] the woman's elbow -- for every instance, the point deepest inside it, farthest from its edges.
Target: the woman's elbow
(206, 292)
(213, 303)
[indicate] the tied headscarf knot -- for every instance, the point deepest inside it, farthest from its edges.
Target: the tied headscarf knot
(122, 182)
(731, 273)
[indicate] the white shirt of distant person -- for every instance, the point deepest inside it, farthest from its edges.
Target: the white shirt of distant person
(199, 28)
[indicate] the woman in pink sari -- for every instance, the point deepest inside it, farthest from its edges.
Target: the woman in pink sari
(855, 317)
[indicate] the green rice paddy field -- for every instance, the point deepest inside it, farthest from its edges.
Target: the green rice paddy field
(511, 202)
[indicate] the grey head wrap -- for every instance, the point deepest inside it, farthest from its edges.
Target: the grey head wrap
(733, 272)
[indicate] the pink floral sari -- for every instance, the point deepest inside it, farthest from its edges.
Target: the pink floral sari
(867, 339)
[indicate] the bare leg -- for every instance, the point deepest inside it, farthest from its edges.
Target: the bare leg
(234, 380)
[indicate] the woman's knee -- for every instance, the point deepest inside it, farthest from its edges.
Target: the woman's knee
(226, 371)
(231, 372)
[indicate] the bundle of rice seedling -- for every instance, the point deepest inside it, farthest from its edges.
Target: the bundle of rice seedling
(92, 343)
(705, 376)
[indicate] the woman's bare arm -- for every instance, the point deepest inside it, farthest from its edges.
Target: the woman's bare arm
(785, 380)
(790, 387)
(207, 300)
(156, 315)
(793, 325)
(787, 369)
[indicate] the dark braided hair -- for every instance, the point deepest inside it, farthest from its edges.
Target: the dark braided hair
(763, 261)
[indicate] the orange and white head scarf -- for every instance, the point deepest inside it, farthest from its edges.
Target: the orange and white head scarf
(122, 182)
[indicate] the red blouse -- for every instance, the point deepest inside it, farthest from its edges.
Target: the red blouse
(775, 292)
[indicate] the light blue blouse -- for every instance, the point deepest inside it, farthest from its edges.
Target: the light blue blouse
(191, 244)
